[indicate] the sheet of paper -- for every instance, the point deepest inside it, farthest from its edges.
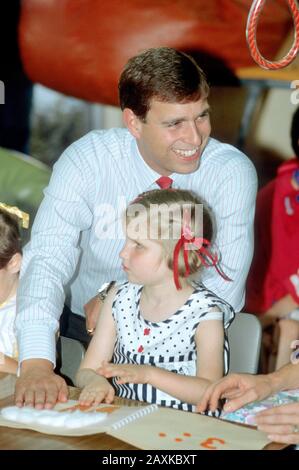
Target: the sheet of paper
(179, 430)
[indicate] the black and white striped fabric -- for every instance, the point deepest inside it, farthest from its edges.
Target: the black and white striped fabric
(169, 344)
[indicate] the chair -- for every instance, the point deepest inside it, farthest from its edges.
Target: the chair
(72, 353)
(245, 335)
(22, 181)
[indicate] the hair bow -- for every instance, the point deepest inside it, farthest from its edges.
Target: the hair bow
(187, 241)
(23, 216)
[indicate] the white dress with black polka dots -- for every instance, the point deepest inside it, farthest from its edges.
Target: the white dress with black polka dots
(169, 344)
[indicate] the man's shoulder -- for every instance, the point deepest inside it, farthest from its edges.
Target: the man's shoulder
(224, 153)
(227, 159)
(105, 137)
(99, 148)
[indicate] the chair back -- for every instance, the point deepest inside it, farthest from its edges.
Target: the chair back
(245, 335)
(22, 181)
(72, 353)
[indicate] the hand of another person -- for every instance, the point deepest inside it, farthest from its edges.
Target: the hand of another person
(97, 391)
(8, 365)
(281, 423)
(238, 389)
(38, 386)
(282, 307)
(126, 373)
(92, 311)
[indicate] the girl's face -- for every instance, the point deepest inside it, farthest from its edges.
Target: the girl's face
(144, 262)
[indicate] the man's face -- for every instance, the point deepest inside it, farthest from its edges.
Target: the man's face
(174, 135)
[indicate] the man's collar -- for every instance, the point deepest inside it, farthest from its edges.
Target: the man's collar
(147, 176)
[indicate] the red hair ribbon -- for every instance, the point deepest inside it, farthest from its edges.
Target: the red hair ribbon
(202, 251)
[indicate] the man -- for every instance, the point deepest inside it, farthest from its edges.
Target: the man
(75, 240)
(280, 422)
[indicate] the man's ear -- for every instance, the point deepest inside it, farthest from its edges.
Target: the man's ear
(14, 264)
(132, 122)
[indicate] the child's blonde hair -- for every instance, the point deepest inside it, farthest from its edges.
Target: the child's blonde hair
(10, 240)
(182, 200)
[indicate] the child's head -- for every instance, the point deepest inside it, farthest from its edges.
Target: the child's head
(295, 132)
(10, 242)
(179, 222)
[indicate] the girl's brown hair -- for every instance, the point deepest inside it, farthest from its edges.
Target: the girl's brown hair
(10, 240)
(169, 228)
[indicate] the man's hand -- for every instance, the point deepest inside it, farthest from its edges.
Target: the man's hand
(126, 373)
(92, 311)
(238, 389)
(38, 386)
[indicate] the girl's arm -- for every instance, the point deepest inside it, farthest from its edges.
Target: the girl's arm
(209, 339)
(96, 388)
(8, 364)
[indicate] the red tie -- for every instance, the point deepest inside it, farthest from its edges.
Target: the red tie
(164, 182)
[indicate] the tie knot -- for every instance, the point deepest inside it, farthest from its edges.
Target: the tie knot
(164, 182)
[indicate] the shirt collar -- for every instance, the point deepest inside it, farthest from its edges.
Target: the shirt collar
(147, 176)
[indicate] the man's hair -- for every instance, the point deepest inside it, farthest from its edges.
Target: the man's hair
(162, 73)
(10, 241)
(170, 223)
(295, 132)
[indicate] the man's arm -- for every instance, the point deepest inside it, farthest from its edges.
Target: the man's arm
(233, 204)
(51, 257)
(50, 260)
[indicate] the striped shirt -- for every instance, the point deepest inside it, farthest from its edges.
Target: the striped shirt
(76, 237)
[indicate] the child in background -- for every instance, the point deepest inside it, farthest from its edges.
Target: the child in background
(273, 281)
(166, 338)
(10, 263)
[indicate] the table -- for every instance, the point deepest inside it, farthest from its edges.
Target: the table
(23, 439)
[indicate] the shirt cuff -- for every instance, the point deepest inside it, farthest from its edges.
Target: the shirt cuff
(37, 342)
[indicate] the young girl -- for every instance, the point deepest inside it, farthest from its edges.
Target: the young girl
(165, 337)
(10, 263)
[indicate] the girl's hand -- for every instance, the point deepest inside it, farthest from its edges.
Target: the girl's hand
(97, 391)
(126, 373)
(281, 423)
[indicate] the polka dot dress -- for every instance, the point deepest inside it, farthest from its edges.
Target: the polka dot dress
(168, 344)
